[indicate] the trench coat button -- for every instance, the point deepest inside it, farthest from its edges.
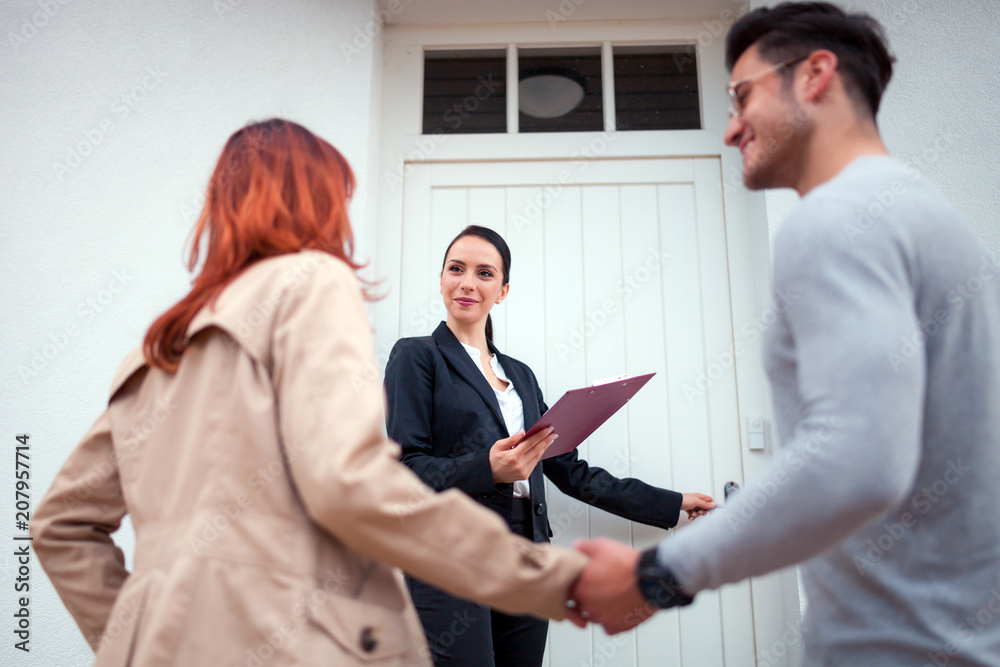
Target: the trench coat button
(540, 509)
(368, 641)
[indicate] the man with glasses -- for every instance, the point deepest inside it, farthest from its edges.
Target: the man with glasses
(885, 373)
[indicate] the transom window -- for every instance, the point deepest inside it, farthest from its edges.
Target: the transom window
(561, 89)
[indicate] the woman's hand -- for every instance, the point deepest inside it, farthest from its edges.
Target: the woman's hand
(696, 504)
(513, 459)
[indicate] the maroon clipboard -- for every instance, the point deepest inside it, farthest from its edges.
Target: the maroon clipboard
(579, 412)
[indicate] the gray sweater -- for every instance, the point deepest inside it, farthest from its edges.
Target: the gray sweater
(885, 370)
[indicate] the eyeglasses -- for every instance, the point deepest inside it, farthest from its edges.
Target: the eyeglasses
(738, 90)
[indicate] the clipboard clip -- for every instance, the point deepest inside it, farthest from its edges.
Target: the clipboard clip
(615, 378)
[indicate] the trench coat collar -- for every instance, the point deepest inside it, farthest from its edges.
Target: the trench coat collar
(133, 363)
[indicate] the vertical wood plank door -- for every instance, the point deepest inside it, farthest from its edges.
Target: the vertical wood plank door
(618, 266)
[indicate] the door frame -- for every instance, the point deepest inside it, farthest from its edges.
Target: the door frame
(400, 143)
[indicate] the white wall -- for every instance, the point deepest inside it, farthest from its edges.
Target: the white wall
(156, 87)
(944, 92)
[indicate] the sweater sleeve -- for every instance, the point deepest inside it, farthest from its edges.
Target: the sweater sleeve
(853, 420)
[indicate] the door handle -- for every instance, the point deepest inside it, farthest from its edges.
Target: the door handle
(729, 489)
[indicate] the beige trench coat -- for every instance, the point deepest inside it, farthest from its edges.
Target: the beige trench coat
(270, 511)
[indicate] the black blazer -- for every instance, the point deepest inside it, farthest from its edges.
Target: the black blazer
(444, 414)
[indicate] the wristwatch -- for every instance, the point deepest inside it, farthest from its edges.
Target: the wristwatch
(658, 584)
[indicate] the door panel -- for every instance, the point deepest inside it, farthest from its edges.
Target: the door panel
(618, 266)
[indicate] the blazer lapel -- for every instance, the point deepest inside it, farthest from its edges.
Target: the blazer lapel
(530, 402)
(463, 364)
(525, 388)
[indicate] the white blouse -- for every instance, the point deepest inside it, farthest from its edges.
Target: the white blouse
(511, 407)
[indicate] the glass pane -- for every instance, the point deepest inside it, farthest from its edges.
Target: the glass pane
(656, 88)
(560, 90)
(465, 92)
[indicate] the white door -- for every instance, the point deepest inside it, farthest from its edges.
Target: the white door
(633, 251)
(618, 266)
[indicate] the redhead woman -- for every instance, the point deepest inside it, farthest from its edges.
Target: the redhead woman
(270, 511)
(458, 407)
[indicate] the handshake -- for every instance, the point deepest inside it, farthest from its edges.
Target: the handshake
(619, 588)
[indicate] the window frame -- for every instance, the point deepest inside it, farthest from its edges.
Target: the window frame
(607, 75)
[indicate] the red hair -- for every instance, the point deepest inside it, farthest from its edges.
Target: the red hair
(277, 189)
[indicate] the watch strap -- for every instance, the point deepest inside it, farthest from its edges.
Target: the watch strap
(658, 585)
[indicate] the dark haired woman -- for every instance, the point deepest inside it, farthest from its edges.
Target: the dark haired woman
(458, 406)
(267, 503)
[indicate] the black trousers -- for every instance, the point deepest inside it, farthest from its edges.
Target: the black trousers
(465, 634)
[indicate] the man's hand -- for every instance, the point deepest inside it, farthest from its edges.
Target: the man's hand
(606, 591)
(696, 504)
